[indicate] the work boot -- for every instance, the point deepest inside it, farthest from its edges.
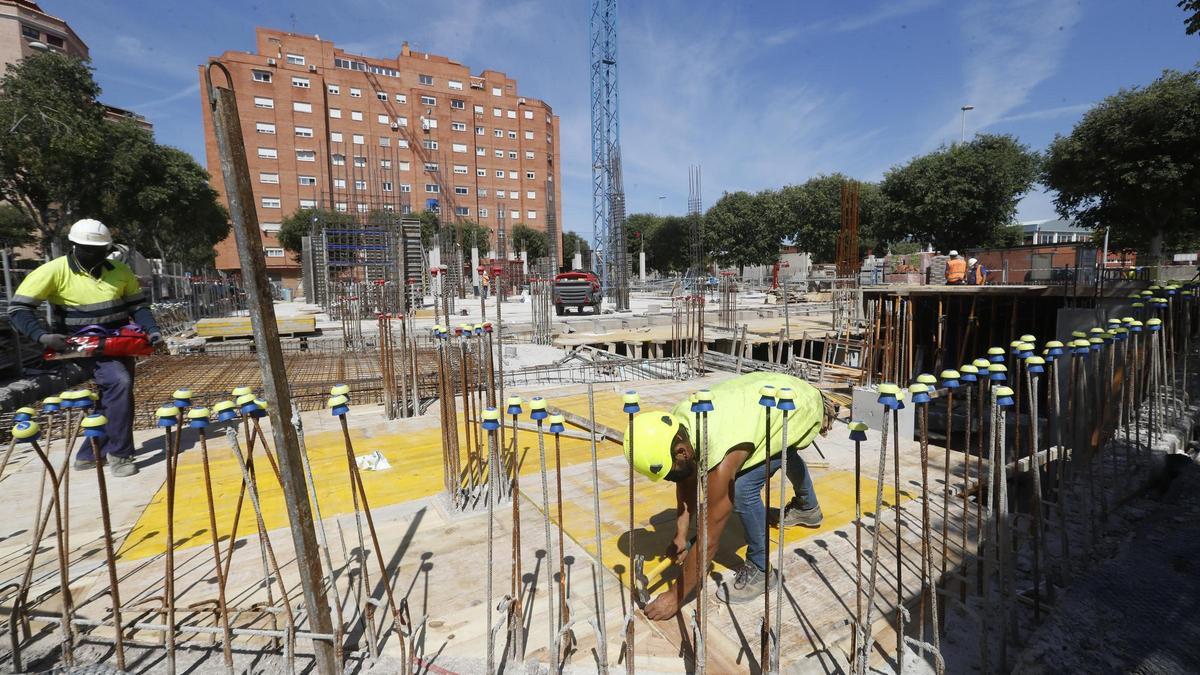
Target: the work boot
(85, 464)
(122, 467)
(794, 515)
(748, 584)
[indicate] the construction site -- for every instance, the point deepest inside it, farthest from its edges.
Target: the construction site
(430, 459)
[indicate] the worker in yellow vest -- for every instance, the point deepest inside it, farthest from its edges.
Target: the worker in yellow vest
(956, 269)
(738, 468)
(85, 289)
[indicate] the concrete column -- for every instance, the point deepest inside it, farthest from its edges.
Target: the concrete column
(577, 261)
(475, 266)
(642, 264)
(525, 263)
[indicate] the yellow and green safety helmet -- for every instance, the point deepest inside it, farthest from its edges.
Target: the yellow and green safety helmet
(653, 435)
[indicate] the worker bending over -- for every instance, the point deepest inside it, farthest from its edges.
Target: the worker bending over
(85, 288)
(956, 269)
(738, 469)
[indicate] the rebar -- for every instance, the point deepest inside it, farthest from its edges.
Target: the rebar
(114, 591)
(599, 570)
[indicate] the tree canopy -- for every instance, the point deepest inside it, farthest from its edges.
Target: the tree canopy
(810, 214)
(958, 196)
(738, 231)
(571, 244)
(525, 238)
(1131, 165)
(1192, 22)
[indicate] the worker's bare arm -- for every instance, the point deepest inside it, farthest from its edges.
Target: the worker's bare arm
(720, 506)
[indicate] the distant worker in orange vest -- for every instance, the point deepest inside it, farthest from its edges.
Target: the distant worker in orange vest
(976, 273)
(956, 269)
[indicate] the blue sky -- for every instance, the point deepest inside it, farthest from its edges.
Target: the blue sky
(760, 94)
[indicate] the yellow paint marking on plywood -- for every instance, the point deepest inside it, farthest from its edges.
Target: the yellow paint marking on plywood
(654, 520)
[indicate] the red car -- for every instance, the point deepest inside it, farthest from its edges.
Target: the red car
(576, 289)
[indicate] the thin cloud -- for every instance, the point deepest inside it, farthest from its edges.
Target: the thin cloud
(885, 12)
(187, 92)
(1045, 113)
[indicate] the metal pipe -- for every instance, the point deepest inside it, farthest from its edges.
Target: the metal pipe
(552, 644)
(599, 570)
(226, 647)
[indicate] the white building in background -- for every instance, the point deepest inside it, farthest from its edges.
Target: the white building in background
(1052, 231)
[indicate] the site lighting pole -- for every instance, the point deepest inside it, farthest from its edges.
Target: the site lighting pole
(963, 134)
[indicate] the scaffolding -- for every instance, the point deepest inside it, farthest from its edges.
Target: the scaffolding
(367, 263)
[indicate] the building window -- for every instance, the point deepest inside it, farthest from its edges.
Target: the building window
(478, 109)
(301, 82)
(431, 188)
(30, 33)
(261, 102)
(458, 104)
(264, 127)
(458, 126)
(355, 92)
(406, 208)
(273, 251)
(300, 106)
(360, 185)
(333, 89)
(496, 91)
(356, 115)
(304, 132)
(531, 215)
(405, 165)
(460, 190)
(500, 194)
(307, 180)
(405, 187)
(529, 175)
(335, 113)
(458, 147)
(271, 178)
(387, 186)
(362, 208)
(482, 173)
(512, 175)
(498, 133)
(261, 75)
(512, 134)
(528, 114)
(339, 183)
(270, 227)
(335, 137)
(401, 121)
(481, 192)
(389, 208)
(430, 144)
(514, 215)
(295, 59)
(460, 169)
(483, 213)
(340, 206)
(360, 161)
(381, 95)
(528, 154)
(499, 173)
(385, 142)
(499, 154)
(529, 135)
(338, 160)
(382, 119)
(496, 112)
(306, 156)
(402, 143)
(270, 202)
(481, 151)
(308, 203)
(511, 114)
(512, 154)
(455, 85)
(530, 194)
(425, 79)
(431, 167)
(479, 131)
(267, 153)
(357, 139)
(402, 99)
(428, 100)
(385, 164)
(462, 211)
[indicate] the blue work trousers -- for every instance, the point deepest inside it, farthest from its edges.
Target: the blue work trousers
(748, 500)
(114, 377)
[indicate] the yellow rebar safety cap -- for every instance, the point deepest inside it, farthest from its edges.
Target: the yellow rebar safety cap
(652, 439)
(926, 378)
(1028, 338)
(996, 351)
(245, 398)
(339, 390)
(239, 392)
(97, 421)
(167, 411)
(26, 429)
(980, 363)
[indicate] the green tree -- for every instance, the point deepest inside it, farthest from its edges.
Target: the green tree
(1130, 165)
(638, 228)
(474, 234)
(300, 224)
(667, 245)
(957, 196)
(1192, 22)
(16, 229)
(739, 230)
(571, 244)
(810, 214)
(429, 228)
(157, 199)
(53, 147)
(525, 238)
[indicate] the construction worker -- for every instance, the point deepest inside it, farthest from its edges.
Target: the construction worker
(485, 281)
(737, 471)
(85, 288)
(956, 269)
(976, 273)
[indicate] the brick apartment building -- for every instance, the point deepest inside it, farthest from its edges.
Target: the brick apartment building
(327, 129)
(25, 28)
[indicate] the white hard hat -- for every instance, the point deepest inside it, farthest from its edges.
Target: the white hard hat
(953, 252)
(90, 232)
(972, 261)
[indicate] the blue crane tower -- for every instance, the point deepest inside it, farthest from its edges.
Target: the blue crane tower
(611, 259)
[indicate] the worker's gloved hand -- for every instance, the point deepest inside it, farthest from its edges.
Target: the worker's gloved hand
(155, 338)
(677, 550)
(54, 341)
(662, 607)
